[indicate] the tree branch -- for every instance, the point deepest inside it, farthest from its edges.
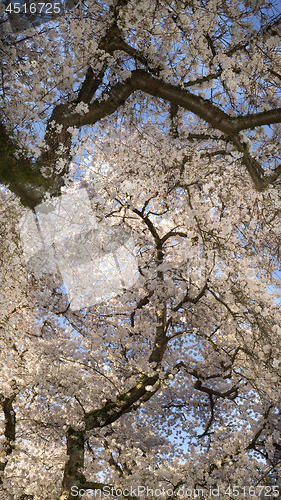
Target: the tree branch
(204, 109)
(113, 410)
(9, 430)
(72, 476)
(140, 80)
(230, 394)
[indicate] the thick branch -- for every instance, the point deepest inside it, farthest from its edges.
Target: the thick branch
(9, 431)
(254, 120)
(141, 80)
(204, 109)
(72, 475)
(11, 171)
(20, 173)
(89, 86)
(113, 410)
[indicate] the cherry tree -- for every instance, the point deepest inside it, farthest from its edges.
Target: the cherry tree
(166, 116)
